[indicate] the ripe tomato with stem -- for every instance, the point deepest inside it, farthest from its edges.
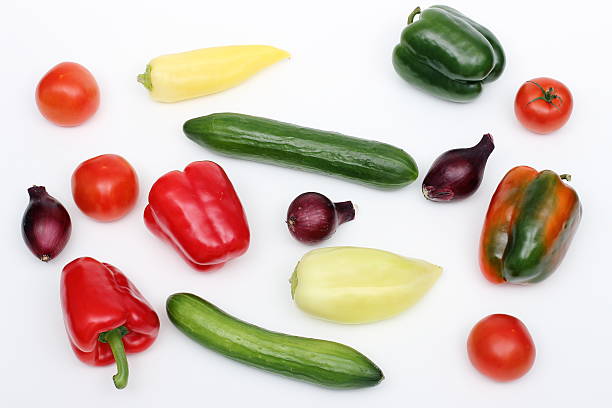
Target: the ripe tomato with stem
(543, 105)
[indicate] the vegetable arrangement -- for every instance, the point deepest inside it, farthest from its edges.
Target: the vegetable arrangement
(528, 228)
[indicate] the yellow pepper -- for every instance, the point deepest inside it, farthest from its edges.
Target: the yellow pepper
(359, 285)
(176, 77)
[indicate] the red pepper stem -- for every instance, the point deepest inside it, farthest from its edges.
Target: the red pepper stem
(345, 211)
(413, 15)
(566, 177)
(114, 340)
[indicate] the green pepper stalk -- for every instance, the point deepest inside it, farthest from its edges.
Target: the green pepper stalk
(413, 14)
(114, 340)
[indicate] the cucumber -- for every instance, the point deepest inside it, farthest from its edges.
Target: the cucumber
(265, 140)
(318, 361)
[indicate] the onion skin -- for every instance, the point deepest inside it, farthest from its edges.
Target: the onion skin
(312, 217)
(46, 225)
(457, 174)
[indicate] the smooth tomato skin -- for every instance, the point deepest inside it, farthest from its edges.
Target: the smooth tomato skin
(68, 94)
(500, 347)
(540, 116)
(105, 187)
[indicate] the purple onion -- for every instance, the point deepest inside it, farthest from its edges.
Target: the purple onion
(46, 224)
(457, 174)
(312, 217)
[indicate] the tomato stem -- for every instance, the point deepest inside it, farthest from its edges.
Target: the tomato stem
(548, 96)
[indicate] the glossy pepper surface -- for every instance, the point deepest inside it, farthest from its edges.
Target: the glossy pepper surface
(198, 212)
(447, 54)
(105, 315)
(529, 226)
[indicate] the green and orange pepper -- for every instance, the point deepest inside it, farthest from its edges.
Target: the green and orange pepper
(530, 223)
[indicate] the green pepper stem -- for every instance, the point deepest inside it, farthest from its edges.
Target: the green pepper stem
(413, 15)
(145, 78)
(114, 340)
(566, 177)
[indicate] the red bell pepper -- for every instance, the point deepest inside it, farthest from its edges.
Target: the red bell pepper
(198, 212)
(105, 315)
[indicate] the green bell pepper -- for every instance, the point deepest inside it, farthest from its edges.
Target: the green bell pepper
(447, 54)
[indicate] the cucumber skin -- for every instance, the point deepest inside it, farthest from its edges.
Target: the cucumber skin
(321, 362)
(265, 140)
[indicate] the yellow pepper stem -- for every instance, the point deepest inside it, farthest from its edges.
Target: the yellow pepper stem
(145, 78)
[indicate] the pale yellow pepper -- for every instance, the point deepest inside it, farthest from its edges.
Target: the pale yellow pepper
(176, 77)
(359, 285)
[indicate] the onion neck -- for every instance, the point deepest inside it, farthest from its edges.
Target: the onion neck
(345, 211)
(37, 192)
(486, 144)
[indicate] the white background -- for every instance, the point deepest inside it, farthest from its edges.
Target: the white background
(339, 78)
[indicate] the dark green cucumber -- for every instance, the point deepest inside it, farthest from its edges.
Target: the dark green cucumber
(265, 140)
(318, 361)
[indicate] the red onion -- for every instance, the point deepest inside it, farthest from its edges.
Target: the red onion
(46, 224)
(312, 217)
(457, 174)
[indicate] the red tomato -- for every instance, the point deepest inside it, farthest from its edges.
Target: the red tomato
(68, 94)
(501, 348)
(105, 187)
(543, 105)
